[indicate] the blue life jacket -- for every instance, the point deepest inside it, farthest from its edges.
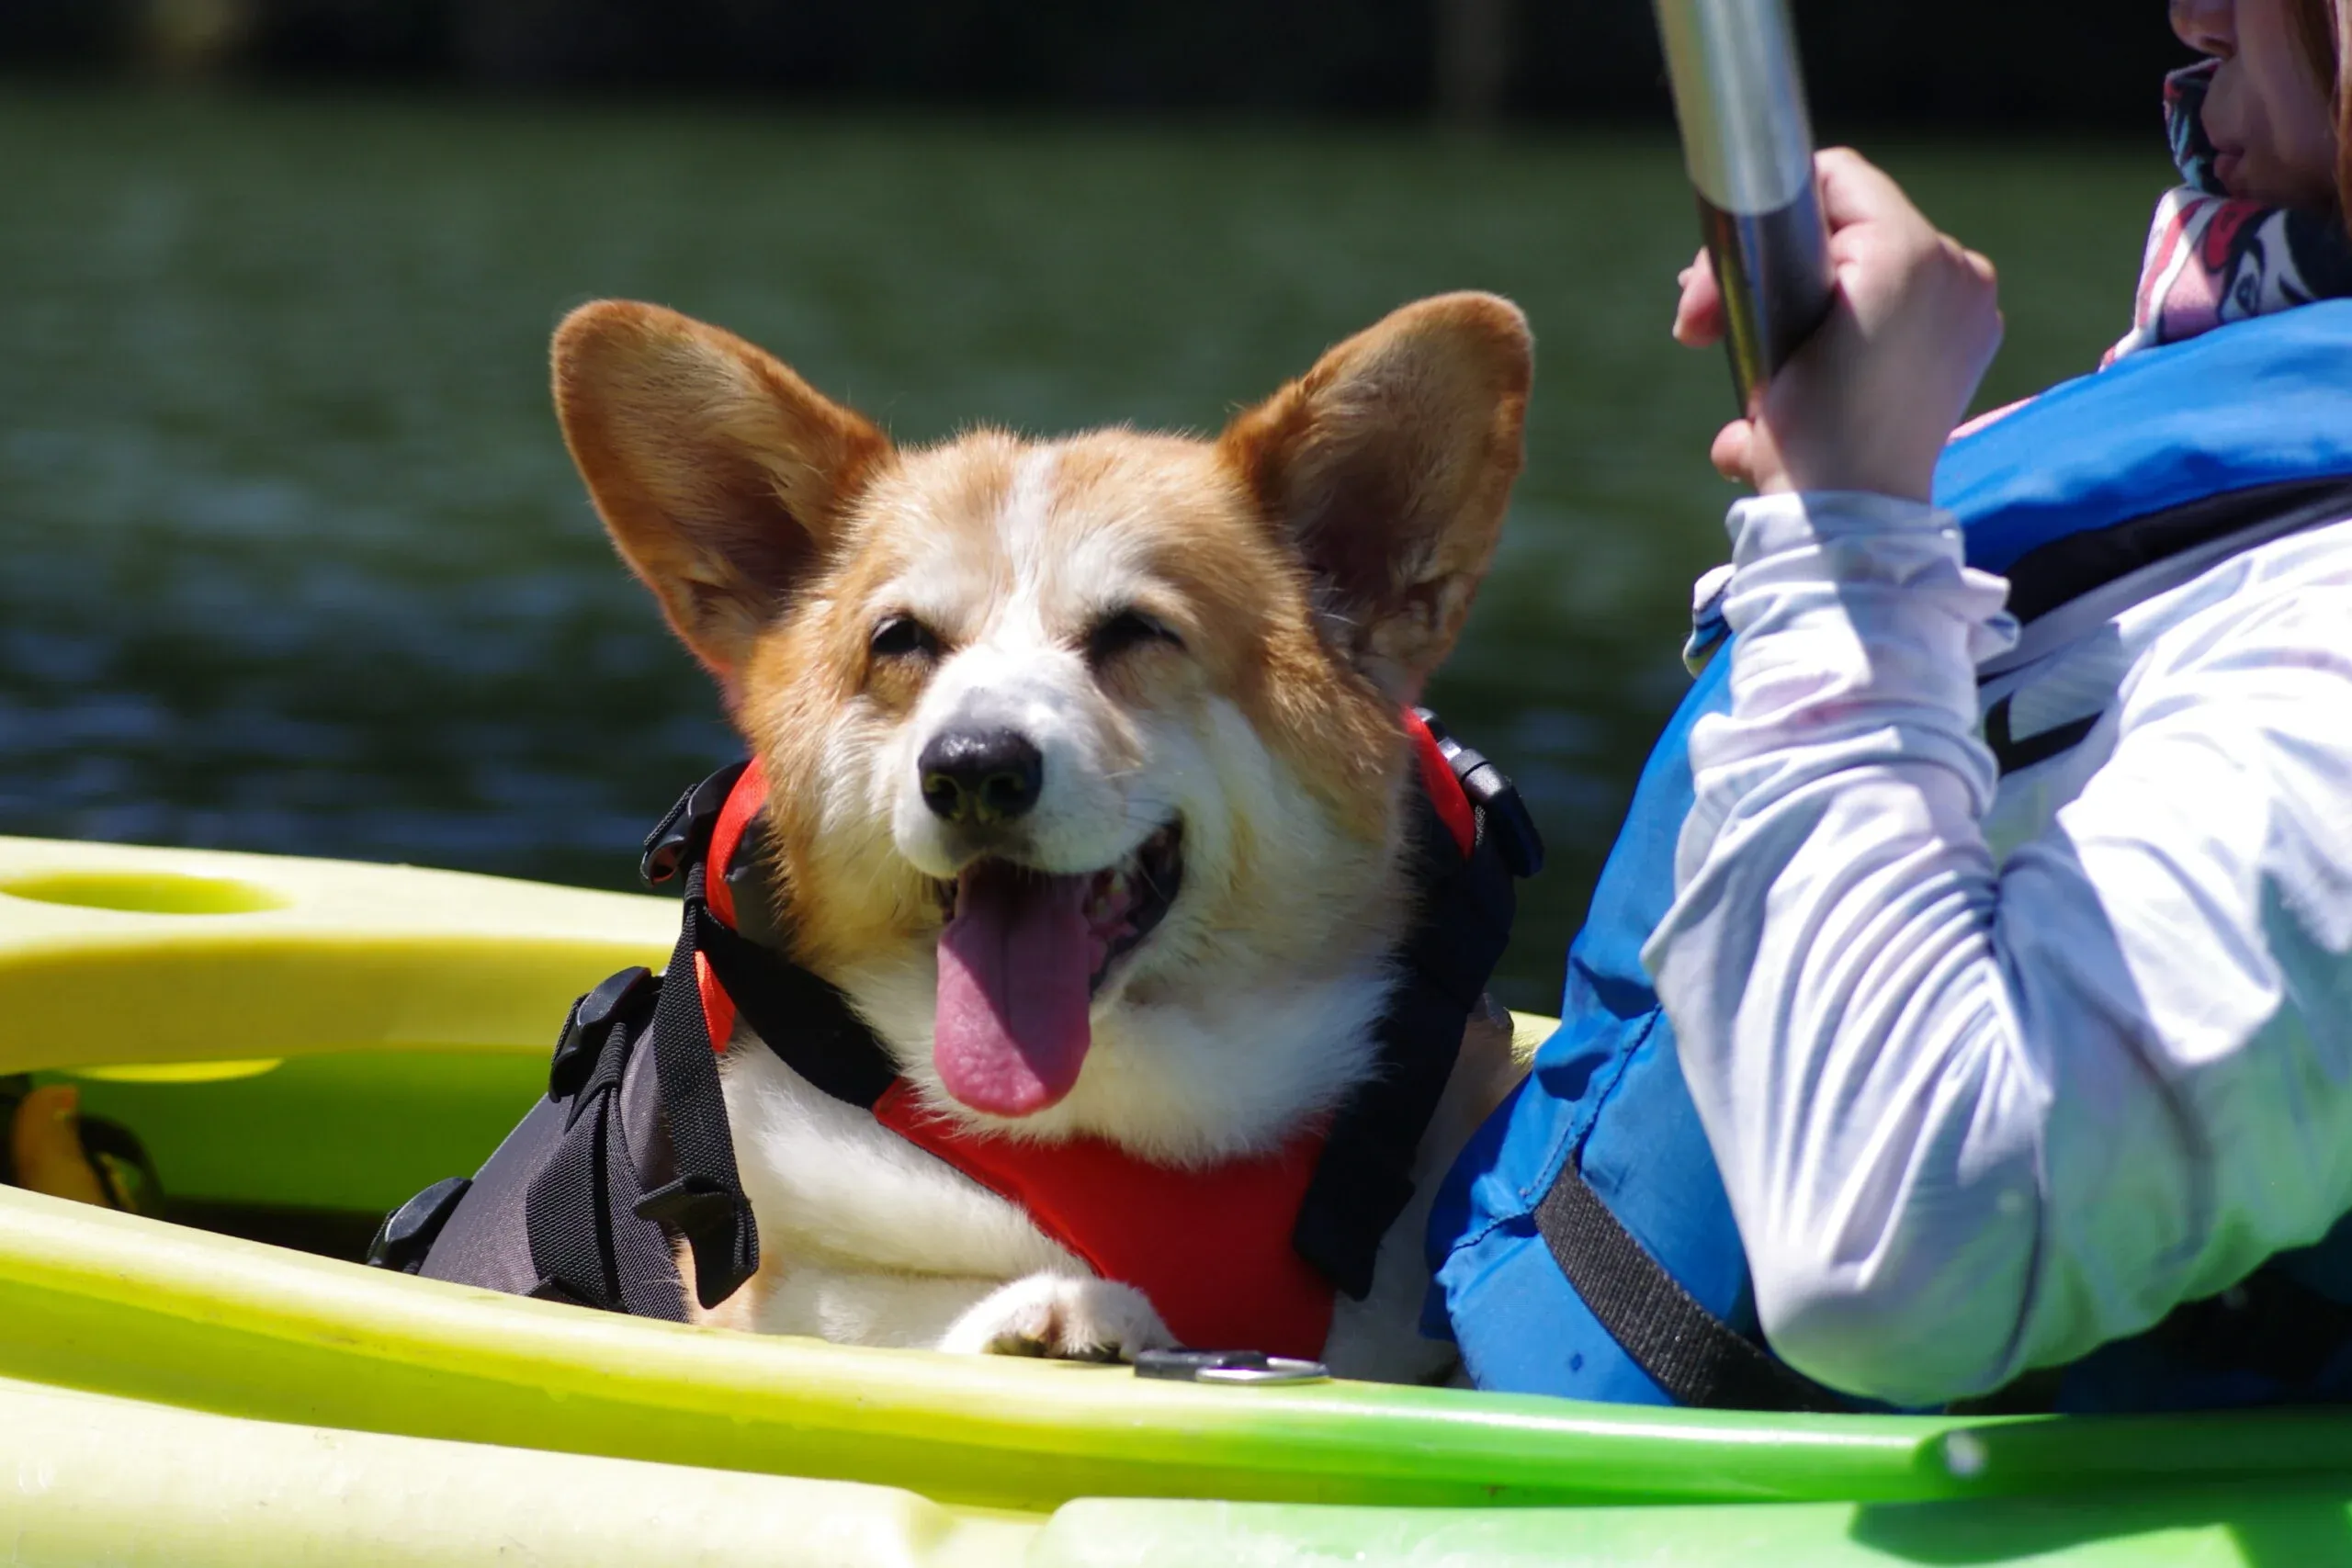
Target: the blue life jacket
(2166, 450)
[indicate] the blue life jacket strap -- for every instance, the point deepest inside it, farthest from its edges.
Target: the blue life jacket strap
(1694, 1355)
(2051, 575)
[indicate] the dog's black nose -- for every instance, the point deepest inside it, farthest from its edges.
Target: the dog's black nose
(981, 775)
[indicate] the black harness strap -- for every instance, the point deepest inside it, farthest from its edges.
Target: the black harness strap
(2065, 569)
(1686, 1350)
(2012, 755)
(565, 1210)
(574, 1201)
(2057, 573)
(704, 1199)
(705, 1203)
(804, 1019)
(2268, 1323)
(1364, 1179)
(591, 1174)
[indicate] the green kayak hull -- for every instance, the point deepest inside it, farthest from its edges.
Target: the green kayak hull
(310, 1041)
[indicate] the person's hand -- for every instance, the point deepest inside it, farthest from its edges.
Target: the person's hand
(1870, 399)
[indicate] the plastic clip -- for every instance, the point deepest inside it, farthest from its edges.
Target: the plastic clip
(409, 1231)
(1247, 1367)
(1507, 818)
(590, 1024)
(684, 832)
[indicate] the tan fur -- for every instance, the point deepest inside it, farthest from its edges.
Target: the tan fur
(1315, 564)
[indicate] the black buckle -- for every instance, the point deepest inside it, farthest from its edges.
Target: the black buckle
(716, 1223)
(1508, 820)
(620, 999)
(408, 1232)
(684, 833)
(692, 1204)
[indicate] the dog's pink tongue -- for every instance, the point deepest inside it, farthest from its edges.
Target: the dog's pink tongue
(1015, 974)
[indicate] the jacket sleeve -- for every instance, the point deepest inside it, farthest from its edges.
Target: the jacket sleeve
(1976, 1118)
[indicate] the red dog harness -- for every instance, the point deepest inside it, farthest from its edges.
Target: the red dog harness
(1211, 1247)
(631, 1151)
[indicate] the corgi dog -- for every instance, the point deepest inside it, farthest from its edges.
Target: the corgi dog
(1088, 784)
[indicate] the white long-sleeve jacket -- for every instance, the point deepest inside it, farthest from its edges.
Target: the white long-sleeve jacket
(1999, 1070)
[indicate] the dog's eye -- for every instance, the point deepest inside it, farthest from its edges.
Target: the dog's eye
(1122, 629)
(903, 635)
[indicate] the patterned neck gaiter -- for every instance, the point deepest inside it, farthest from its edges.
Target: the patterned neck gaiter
(2212, 259)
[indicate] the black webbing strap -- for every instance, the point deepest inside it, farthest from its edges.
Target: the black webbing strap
(582, 1248)
(2012, 755)
(1688, 1351)
(705, 1203)
(804, 1019)
(566, 1210)
(1365, 1177)
(2054, 575)
(2268, 1323)
(2064, 569)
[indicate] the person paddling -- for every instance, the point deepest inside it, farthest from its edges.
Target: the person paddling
(1970, 993)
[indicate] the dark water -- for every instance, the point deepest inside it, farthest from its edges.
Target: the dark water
(291, 558)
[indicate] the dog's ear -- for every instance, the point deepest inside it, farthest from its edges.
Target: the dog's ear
(721, 475)
(1387, 468)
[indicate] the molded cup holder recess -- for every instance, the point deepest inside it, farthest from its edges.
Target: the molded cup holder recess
(145, 892)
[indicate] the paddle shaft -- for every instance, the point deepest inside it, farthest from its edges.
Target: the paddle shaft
(1747, 140)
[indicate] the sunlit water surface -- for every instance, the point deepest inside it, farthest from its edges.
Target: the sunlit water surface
(291, 558)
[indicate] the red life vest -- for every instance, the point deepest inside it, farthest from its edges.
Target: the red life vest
(1210, 1247)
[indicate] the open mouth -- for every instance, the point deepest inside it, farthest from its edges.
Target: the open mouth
(1020, 956)
(1122, 904)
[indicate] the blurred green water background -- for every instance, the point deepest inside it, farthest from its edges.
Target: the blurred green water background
(291, 558)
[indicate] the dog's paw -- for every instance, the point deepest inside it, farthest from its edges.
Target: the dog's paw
(1068, 1319)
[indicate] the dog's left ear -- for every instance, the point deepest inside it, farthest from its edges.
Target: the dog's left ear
(1388, 467)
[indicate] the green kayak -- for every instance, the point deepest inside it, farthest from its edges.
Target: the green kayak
(299, 1045)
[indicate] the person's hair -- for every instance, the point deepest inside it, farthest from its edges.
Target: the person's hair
(2318, 26)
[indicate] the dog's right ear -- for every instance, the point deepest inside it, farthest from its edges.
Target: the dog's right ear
(721, 475)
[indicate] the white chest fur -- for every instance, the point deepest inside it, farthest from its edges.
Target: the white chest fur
(866, 1239)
